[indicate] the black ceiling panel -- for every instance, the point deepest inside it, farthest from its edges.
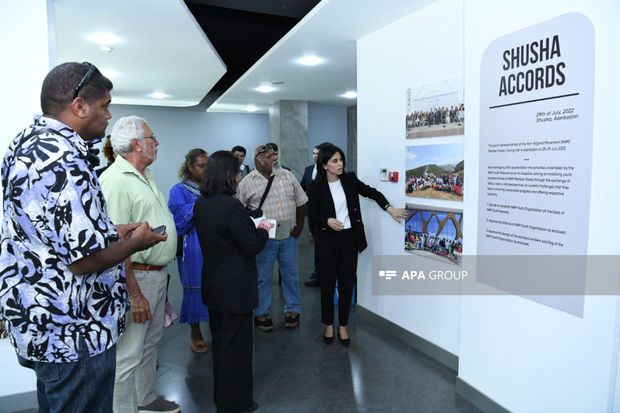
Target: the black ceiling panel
(286, 8)
(241, 35)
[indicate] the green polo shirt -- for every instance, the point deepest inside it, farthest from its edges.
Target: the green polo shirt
(131, 197)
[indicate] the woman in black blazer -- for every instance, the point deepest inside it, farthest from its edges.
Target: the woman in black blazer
(339, 234)
(229, 242)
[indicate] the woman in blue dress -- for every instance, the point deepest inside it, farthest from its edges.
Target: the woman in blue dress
(181, 204)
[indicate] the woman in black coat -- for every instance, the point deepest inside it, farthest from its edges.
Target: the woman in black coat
(229, 242)
(339, 234)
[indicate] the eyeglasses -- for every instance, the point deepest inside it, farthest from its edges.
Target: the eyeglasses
(264, 149)
(273, 146)
(85, 79)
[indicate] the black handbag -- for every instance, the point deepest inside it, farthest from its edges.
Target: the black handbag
(258, 212)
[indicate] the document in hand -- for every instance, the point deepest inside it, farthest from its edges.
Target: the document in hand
(272, 231)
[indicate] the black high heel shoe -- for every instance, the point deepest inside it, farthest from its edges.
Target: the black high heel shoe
(328, 340)
(344, 341)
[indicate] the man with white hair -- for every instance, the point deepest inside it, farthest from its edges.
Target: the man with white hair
(131, 194)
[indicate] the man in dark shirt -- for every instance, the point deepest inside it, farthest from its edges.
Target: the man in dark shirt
(239, 152)
(306, 180)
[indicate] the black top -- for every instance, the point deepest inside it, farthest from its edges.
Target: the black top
(229, 242)
(322, 205)
(305, 183)
(306, 180)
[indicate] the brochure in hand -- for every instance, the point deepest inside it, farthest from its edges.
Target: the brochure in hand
(280, 230)
(272, 231)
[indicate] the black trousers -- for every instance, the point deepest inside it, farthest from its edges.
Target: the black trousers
(337, 262)
(232, 360)
(315, 270)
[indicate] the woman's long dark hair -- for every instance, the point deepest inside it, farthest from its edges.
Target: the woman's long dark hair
(220, 175)
(325, 154)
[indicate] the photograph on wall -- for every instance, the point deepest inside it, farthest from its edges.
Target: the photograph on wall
(436, 109)
(434, 232)
(435, 171)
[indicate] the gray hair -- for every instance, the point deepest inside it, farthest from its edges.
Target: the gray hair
(125, 129)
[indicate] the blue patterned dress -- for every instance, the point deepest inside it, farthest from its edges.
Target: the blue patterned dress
(181, 204)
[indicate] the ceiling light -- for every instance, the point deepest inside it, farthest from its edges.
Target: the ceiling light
(351, 94)
(158, 95)
(310, 60)
(109, 73)
(251, 108)
(103, 38)
(265, 89)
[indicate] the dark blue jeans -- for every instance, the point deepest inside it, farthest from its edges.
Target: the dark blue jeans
(84, 386)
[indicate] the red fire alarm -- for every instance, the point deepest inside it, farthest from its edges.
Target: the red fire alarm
(393, 176)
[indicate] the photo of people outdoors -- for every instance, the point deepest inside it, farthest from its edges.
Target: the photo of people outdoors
(435, 109)
(435, 171)
(434, 232)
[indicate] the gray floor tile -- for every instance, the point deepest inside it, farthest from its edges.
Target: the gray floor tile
(294, 371)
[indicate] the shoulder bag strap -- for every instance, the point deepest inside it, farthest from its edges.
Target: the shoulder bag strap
(262, 200)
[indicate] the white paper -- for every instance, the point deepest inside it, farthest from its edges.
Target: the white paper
(272, 231)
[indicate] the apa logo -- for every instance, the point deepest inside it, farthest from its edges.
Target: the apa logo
(387, 274)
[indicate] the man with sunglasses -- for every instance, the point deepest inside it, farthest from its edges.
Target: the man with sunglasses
(277, 167)
(132, 195)
(62, 286)
(285, 202)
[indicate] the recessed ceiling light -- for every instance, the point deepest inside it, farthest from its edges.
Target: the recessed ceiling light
(265, 89)
(103, 38)
(158, 95)
(251, 108)
(351, 94)
(310, 60)
(109, 73)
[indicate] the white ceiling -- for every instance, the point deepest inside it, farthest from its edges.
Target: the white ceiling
(330, 31)
(161, 49)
